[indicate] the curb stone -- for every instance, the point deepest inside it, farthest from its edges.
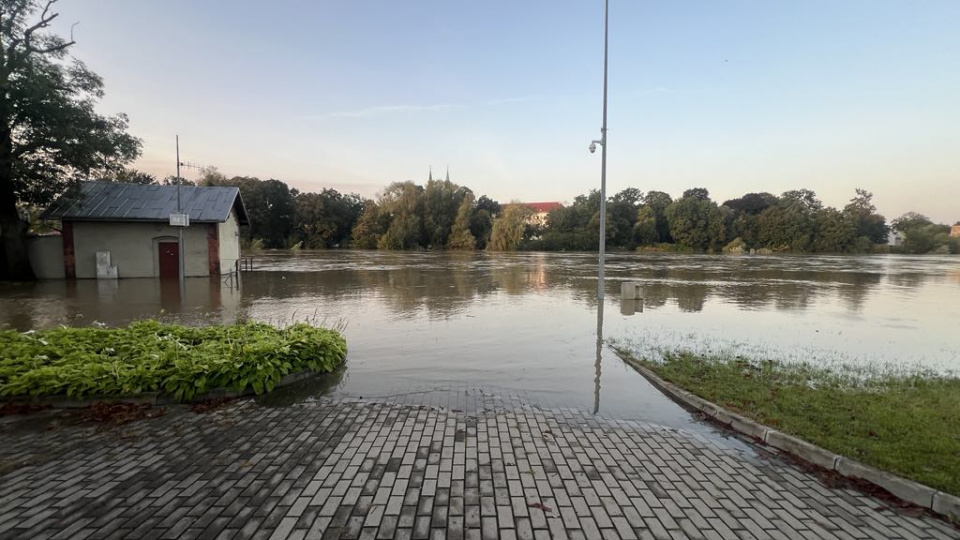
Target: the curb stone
(150, 398)
(923, 496)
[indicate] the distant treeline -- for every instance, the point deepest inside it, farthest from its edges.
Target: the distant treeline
(443, 215)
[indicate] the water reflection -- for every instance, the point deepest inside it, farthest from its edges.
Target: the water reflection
(600, 344)
(49, 303)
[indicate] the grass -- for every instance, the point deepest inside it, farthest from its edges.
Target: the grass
(904, 423)
(149, 356)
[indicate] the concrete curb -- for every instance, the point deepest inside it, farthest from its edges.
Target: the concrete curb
(923, 496)
(148, 398)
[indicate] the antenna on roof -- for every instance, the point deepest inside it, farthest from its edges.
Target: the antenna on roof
(181, 223)
(191, 165)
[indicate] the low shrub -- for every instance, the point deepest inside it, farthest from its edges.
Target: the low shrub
(149, 356)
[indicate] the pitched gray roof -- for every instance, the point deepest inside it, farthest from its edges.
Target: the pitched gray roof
(112, 201)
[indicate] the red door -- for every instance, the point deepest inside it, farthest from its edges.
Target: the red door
(169, 260)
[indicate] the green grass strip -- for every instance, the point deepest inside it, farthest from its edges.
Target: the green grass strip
(149, 356)
(907, 424)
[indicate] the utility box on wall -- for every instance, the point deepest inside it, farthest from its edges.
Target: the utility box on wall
(104, 270)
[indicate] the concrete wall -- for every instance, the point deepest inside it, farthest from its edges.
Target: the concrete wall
(229, 232)
(134, 248)
(46, 256)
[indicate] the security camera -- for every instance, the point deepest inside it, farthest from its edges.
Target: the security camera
(593, 147)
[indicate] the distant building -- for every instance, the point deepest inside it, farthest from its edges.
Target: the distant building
(125, 229)
(955, 230)
(540, 212)
(894, 238)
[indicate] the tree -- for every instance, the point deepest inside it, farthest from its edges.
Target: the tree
(325, 219)
(50, 134)
(460, 235)
(744, 222)
(752, 203)
(863, 214)
(910, 220)
(481, 221)
(697, 193)
(694, 220)
(508, 229)
(403, 203)
(927, 239)
(622, 215)
(792, 223)
(631, 196)
(370, 226)
(441, 202)
(269, 205)
(645, 229)
(658, 202)
(836, 233)
(920, 235)
(133, 176)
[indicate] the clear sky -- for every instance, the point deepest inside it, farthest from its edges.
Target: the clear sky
(733, 96)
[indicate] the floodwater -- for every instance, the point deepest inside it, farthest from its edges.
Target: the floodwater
(526, 324)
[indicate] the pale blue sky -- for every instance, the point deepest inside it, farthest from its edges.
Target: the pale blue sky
(734, 96)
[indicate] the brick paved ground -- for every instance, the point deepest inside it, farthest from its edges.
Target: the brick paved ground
(342, 469)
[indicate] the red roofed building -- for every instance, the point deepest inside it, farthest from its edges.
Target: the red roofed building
(540, 212)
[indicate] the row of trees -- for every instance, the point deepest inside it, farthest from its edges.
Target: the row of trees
(796, 221)
(443, 215)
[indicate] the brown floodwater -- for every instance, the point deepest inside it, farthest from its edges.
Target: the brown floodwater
(526, 324)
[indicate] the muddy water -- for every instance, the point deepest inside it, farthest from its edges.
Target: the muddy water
(526, 324)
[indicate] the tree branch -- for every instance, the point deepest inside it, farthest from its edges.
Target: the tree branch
(44, 22)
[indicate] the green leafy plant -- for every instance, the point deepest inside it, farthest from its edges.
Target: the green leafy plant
(149, 356)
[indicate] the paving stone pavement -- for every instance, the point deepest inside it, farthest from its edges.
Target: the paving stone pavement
(362, 469)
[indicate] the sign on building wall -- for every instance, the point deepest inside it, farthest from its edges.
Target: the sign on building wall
(179, 220)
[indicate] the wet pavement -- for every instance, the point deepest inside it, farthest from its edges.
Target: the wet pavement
(457, 463)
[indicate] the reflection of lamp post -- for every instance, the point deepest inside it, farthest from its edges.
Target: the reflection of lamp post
(596, 379)
(603, 156)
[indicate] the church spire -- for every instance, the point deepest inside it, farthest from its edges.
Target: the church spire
(448, 173)
(430, 178)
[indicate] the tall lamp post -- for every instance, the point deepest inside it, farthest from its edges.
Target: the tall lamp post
(603, 157)
(603, 210)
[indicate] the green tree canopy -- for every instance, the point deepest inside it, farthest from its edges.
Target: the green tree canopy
(460, 235)
(695, 221)
(50, 132)
(509, 228)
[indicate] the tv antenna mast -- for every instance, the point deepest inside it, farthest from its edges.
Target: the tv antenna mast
(181, 220)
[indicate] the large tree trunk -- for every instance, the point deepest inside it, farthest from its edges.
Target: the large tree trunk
(14, 259)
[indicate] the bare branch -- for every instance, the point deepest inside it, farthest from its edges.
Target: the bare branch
(53, 48)
(44, 22)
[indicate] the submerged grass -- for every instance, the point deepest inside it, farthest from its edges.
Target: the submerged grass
(905, 423)
(149, 356)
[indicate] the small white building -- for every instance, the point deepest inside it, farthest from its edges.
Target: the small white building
(540, 211)
(894, 238)
(131, 222)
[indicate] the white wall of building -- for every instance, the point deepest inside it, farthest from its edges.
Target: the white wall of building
(134, 247)
(229, 234)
